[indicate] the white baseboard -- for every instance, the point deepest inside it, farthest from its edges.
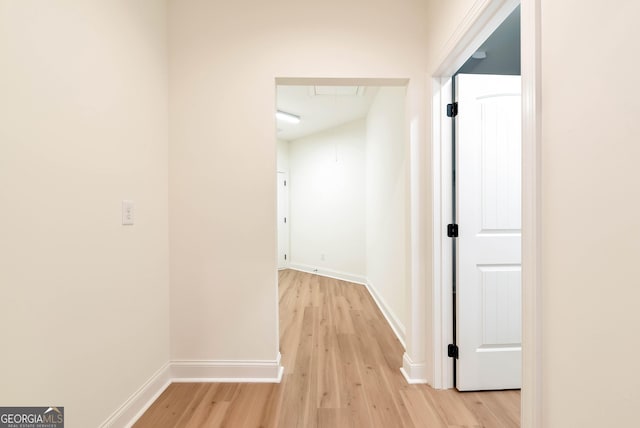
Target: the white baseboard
(329, 273)
(394, 322)
(413, 372)
(254, 371)
(140, 401)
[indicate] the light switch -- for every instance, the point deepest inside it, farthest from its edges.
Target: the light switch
(127, 213)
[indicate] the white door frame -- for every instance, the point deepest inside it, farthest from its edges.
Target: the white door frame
(483, 18)
(284, 265)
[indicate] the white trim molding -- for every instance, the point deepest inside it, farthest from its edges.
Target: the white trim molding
(396, 325)
(255, 371)
(531, 217)
(442, 273)
(135, 406)
(413, 372)
(329, 273)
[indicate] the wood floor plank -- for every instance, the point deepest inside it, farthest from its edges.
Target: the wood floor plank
(252, 396)
(197, 398)
(211, 411)
(420, 411)
(328, 389)
(492, 409)
(331, 418)
(482, 413)
(273, 406)
(173, 403)
(353, 391)
(293, 401)
(342, 364)
(451, 407)
(380, 405)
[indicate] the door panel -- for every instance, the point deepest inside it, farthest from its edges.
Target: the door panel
(501, 299)
(500, 191)
(488, 174)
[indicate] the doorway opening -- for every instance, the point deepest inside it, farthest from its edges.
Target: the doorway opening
(467, 40)
(342, 152)
(485, 206)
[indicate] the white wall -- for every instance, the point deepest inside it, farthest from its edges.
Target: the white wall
(327, 201)
(590, 154)
(282, 157)
(222, 191)
(83, 125)
(386, 203)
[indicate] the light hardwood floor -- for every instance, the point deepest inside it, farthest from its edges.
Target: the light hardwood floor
(342, 365)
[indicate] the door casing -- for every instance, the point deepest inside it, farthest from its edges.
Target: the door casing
(283, 198)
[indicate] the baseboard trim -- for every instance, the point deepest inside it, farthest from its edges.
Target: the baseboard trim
(255, 371)
(329, 273)
(413, 372)
(392, 320)
(197, 371)
(127, 414)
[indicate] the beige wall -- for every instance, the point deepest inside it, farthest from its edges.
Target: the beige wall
(224, 58)
(83, 124)
(590, 211)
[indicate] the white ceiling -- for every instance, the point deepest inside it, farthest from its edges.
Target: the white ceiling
(321, 107)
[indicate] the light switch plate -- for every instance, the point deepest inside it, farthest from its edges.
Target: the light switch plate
(127, 213)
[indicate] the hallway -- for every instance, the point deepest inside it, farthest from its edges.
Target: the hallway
(341, 363)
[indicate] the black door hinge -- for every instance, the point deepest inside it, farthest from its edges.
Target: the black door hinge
(452, 230)
(452, 110)
(452, 351)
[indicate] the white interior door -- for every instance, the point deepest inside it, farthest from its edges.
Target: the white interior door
(283, 220)
(488, 176)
